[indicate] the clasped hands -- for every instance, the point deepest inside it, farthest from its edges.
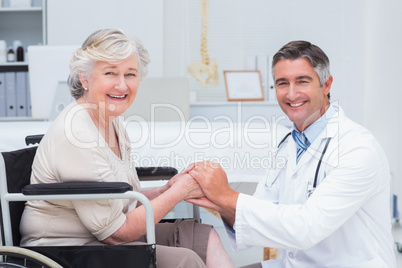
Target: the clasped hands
(206, 185)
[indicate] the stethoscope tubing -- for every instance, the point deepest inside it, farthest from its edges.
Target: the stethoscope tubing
(319, 162)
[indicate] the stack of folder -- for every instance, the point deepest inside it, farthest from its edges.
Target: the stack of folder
(15, 100)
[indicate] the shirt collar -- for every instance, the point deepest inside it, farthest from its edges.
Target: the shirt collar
(318, 126)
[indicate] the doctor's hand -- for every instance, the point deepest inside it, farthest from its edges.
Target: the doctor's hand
(214, 183)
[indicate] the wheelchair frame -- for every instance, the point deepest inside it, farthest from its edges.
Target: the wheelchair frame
(7, 197)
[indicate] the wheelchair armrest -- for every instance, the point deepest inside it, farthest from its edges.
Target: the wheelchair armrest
(33, 139)
(155, 173)
(83, 187)
(27, 195)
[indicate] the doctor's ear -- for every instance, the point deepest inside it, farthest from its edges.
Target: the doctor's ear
(327, 85)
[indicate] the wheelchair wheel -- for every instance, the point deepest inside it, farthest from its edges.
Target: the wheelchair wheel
(13, 257)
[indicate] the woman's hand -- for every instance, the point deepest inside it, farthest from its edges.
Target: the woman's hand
(187, 186)
(155, 192)
(173, 179)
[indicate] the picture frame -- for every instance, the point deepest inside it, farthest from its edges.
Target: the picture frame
(244, 85)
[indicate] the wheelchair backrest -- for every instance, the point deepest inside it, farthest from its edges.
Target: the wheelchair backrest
(18, 165)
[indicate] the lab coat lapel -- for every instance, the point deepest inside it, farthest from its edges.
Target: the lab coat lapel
(291, 150)
(287, 189)
(311, 154)
(294, 184)
(306, 157)
(314, 151)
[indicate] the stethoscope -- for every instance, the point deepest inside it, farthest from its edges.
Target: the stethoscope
(310, 188)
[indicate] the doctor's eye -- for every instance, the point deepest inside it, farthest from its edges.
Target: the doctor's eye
(281, 84)
(303, 82)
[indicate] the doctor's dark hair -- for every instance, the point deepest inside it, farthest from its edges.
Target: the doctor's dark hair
(303, 49)
(106, 45)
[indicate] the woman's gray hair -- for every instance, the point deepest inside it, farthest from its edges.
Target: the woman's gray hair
(106, 45)
(303, 49)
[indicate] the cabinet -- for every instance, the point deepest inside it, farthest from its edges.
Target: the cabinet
(27, 24)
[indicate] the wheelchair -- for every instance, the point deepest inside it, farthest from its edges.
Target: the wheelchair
(15, 190)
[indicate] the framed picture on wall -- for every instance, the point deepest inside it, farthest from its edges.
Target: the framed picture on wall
(243, 86)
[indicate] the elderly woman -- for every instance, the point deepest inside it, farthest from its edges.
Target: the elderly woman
(88, 142)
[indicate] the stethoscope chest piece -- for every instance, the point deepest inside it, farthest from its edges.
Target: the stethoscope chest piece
(311, 187)
(310, 190)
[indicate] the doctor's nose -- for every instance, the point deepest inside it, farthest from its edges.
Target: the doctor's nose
(293, 92)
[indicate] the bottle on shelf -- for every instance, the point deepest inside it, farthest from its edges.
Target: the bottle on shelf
(20, 53)
(18, 50)
(10, 55)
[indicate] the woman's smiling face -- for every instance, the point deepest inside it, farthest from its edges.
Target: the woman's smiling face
(112, 87)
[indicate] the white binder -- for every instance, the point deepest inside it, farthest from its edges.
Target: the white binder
(28, 93)
(11, 98)
(2, 95)
(21, 91)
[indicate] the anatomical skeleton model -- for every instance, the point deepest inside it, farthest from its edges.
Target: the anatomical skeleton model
(206, 70)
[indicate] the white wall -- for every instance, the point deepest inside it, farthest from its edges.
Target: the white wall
(361, 38)
(171, 31)
(238, 29)
(69, 22)
(383, 92)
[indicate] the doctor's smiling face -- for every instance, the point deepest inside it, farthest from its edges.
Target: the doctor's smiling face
(299, 92)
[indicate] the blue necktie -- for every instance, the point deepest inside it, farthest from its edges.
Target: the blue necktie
(302, 144)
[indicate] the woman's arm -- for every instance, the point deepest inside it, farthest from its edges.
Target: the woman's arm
(151, 194)
(183, 187)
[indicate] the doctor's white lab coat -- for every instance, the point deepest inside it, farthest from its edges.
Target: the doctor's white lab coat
(346, 222)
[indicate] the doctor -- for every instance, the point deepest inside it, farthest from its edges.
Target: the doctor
(329, 204)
